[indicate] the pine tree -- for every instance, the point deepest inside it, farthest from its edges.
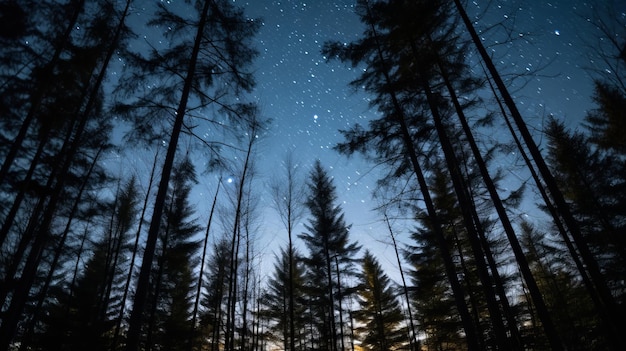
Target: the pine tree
(560, 210)
(327, 240)
(380, 314)
(69, 131)
(284, 288)
(571, 306)
(432, 297)
(209, 66)
(213, 316)
(172, 277)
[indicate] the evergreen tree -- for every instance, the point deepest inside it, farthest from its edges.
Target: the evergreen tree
(205, 64)
(89, 305)
(589, 169)
(66, 130)
(380, 314)
(287, 194)
(555, 200)
(283, 287)
(327, 240)
(415, 65)
(570, 304)
(172, 278)
(432, 297)
(213, 316)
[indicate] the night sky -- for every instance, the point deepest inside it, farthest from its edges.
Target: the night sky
(309, 99)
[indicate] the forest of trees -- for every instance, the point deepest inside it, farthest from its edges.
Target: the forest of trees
(102, 254)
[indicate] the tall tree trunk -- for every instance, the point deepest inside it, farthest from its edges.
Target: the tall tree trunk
(413, 338)
(44, 205)
(458, 291)
(232, 284)
(339, 297)
(504, 219)
(194, 314)
(556, 218)
(143, 282)
(331, 328)
(616, 322)
(129, 276)
(9, 325)
(472, 225)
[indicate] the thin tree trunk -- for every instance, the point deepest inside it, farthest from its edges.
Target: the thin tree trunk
(503, 216)
(332, 332)
(232, 284)
(472, 225)
(129, 277)
(413, 339)
(339, 297)
(458, 292)
(30, 232)
(471, 288)
(246, 287)
(135, 321)
(593, 294)
(616, 322)
(9, 325)
(194, 314)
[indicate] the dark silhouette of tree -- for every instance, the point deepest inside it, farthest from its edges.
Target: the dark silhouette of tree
(285, 291)
(36, 77)
(403, 85)
(287, 195)
(605, 301)
(72, 130)
(240, 225)
(89, 302)
(172, 277)
(196, 306)
(430, 293)
(327, 240)
(590, 172)
(134, 250)
(217, 52)
(380, 315)
(414, 342)
(571, 307)
(213, 315)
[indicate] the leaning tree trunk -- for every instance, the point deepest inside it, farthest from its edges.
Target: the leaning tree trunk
(616, 322)
(143, 282)
(24, 284)
(458, 291)
(413, 340)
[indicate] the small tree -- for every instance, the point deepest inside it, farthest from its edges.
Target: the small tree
(284, 292)
(380, 314)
